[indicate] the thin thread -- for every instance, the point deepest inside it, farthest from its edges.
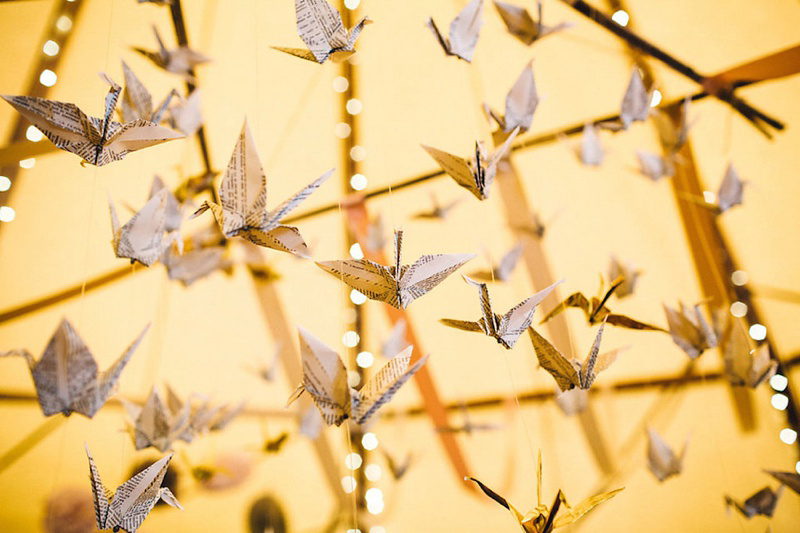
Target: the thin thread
(57, 470)
(353, 486)
(519, 406)
(293, 120)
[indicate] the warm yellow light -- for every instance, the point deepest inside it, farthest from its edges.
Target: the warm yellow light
(779, 401)
(342, 130)
(51, 48)
(758, 332)
(621, 17)
(778, 382)
(358, 153)
(373, 472)
(788, 436)
(64, 23)
(33, 134)
(358, 182)
(375, 506)
(354, 106)
(48, 78)
(365, 359)
(7, 214)
(356, 252)
(369, 441)
(340, 84)
(739, 277)
(738, 309)
(352, 461)
(348, 484)
(357, 297)
(656, 98)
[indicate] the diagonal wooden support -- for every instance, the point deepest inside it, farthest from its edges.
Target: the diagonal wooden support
(178, 22)
(519, 215)
(17, 151)
(725, 93)
(710, 253)
(788, 65)
(701, 230)
(777, 65)
(357, 220)
(16, 140)
(281, 330)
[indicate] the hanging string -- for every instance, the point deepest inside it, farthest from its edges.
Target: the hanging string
(300, 107)
(481, 128)
(519, 406)
(257, 69)
(353, 485)
(346, 323)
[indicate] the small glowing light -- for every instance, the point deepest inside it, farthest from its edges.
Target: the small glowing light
(369, 441)
(375, 506)
(656, 98)
(739, 277)
(373, 472)
(353, 531)
(758, 332)
(7, 214)
(779, 401)
(348, 484)
(778, 382)
(788, 435)
(342, 130)
(355, 251)
(353, 379)
(64, 23)
(354, 106)
(350, 339)
(710, 197)
(365, 359)
(51, 48)
(738, 309)
(340, 84)
(352, 461)
(358, 153)
(358, 182)
(27, 163)
(33, 134)
(373, 494)
(377, 529)
(797, 467)
(48, 78)
(351, 4)
(5, 183)
(621, 17)
(357, 297)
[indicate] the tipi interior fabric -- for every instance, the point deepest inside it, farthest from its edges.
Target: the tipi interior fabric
(207, 338)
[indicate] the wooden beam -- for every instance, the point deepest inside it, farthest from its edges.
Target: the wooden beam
(434, 408)
(65, 294)
(10, 167)
(282, 331)
(759, 119)
(520, 215)
(15, 152)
